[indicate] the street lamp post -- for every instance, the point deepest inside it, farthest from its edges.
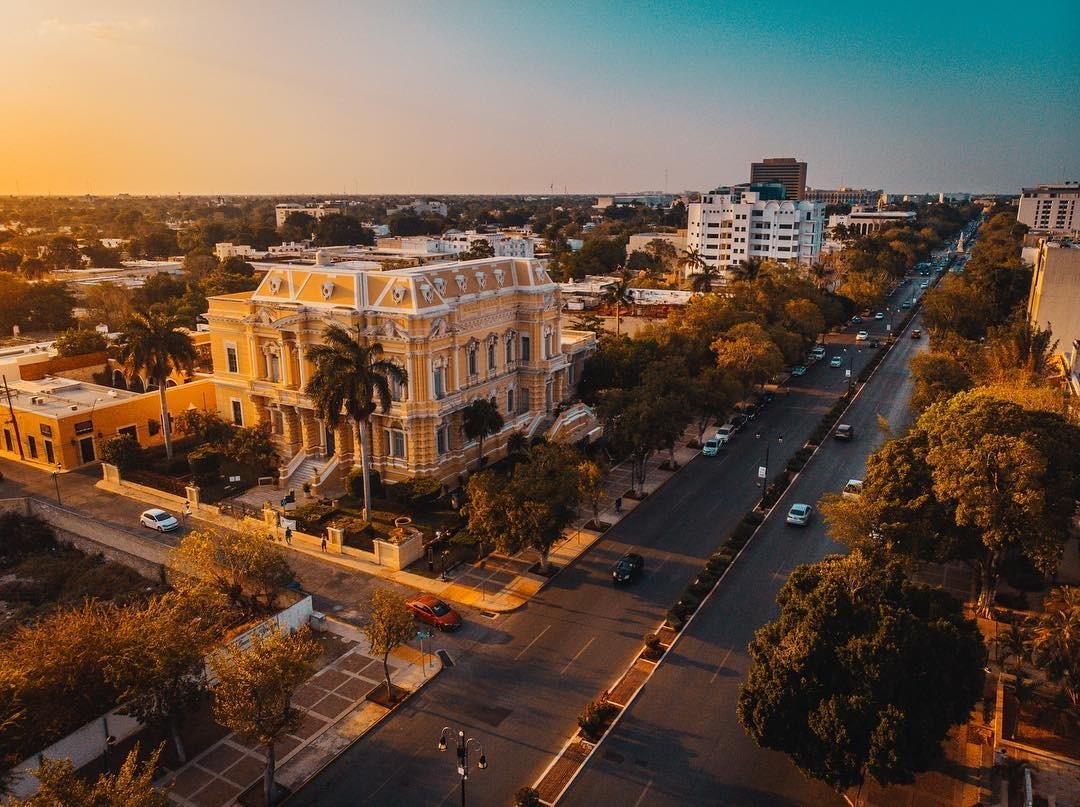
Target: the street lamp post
(56, 480)
(763, 470)
(463, 755)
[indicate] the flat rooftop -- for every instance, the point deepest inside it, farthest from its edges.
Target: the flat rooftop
(58, 397)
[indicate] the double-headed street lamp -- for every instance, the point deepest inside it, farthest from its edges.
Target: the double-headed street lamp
(56, 480)
(463, 755)
(763, 470)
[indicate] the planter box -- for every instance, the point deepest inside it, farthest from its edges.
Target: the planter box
(398, 556)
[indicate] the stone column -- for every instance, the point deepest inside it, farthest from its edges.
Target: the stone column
(312, 437)
(343, 439)
(262, 409)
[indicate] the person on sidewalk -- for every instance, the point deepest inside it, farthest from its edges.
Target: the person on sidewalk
(187, 512)
(288, 536)
(618, 504)
(323, 544)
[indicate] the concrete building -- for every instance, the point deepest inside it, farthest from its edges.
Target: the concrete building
(865, 222)
(453, 242)
(1051, 209)
(489, 328)
(1054, 300)
(640, 241)
(786, 170)
(314, 209)
(731, 226)
(227, 250)
(651, 199)
(421, 207)
(864, 197)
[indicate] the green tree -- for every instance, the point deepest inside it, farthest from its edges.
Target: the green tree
(158, 668)
(156, 344)
(478, 248)
(349, 374)
(62, 254)
(936, 376)
(298, 226)
(47, 307)
(103, 257)
(108, 304)
(591, 477)
(704, 279)
(1055, 641)
(253, 446)
(478, 420)
(132, 786)
(748, 353)
(389, 626)
(79, 343)
(862, 674)
(691, 262)
(617, 294)
(337, 229)
(254, 690)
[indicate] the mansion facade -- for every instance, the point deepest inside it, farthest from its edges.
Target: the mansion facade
(489, 328)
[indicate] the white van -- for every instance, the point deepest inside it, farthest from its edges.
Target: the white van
(853, 489)
(818, 352)
(725, 433)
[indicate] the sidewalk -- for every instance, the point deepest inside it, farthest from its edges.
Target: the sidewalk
(336, 714)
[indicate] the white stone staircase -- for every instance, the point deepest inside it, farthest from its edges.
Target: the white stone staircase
(306, 471)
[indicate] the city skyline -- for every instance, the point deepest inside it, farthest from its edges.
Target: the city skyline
(484, 98)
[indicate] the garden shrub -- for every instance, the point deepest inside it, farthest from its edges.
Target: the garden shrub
(753, 518)
(354, 483)
(689, 601)
(312, 515)
(676, 616)
(652, 642)
(123, 451)
(23, 535)
(418, 491)
(205, 464)
(527, 797)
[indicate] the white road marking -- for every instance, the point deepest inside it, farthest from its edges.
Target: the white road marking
(582, 650)
(530, 644)
(644, 793)
(723, 661)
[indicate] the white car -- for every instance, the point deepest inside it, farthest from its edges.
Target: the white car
(157, 519)
(862, 336)
(836, 361)
(799, 514)
(853, 489)
(879, 315)
(818, 352)
(798, 370)
(711, 447)
(725, 433)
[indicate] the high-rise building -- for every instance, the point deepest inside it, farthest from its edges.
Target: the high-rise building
(1054, 300)
(732, 225)
(786, 170)
(1053, 209)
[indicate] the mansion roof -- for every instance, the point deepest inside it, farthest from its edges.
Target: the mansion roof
(362, 286)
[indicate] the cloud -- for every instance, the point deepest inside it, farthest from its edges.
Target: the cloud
(126, 31)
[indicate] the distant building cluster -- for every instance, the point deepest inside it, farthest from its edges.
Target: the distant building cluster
(420, 207)
(864, 197)
(867, 222)
(314, 209)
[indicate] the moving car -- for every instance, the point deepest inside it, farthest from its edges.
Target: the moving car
(845, 431)
(798, 370)
(862, 336)
(711, 447)
(924, 285)
(433, 611)
(879, 315)
(916, 333)
(627, 568)
(799, 514)
(853, 489)
(836, 361)
(725, 433)
(157, 519)
(856, 320)
(906, 304)
(818, 352)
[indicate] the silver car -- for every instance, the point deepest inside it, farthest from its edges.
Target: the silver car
(799, 514)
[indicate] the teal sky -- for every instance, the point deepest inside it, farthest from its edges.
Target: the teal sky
(499, 97)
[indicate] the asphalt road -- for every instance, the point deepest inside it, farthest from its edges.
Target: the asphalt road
(520, 680)
(681, 742)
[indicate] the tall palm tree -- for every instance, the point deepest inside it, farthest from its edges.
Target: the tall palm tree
(619, 293)
(691, 261)
(703, 279)
(479, 419)
(350, 375)
(155, 343)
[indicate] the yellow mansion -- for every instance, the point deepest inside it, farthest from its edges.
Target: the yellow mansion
(488, 328)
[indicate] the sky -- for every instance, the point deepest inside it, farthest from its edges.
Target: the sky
(526, 97)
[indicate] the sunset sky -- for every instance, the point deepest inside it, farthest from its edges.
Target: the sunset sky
(304, 96)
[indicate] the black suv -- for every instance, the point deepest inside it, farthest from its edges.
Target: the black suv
(628, 567)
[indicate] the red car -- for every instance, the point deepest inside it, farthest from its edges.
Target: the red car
(433, 611)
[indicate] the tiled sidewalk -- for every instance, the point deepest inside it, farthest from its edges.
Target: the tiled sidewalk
(336, 714)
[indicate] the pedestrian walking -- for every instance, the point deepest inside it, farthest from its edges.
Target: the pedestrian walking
(324, 541)
(618, 504)
(187, 512)
(288, 536)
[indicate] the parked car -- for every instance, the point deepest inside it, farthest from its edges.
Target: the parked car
(906, 304)
(738, 420)
(798, 369)
(725, 433)
(862, 336)
(852, 489)
(711, 447)
(879, 315)
(157, 519)
(627, 568)
(818, 352)
(836, 361)
(845, 431)
(916, 333)
(433, 611)
(856, 320)
(924, 285)
(799, 515)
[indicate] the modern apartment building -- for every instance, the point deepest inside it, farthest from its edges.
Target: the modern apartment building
(786, 170)
(730, 225)
(316, 210)
(1054, 300)
(864, 197)
(489, 328)
(1051, 209)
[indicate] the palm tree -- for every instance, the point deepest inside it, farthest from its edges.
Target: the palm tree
(703, 280)
(749, 269)
(619, 293)
(155, 343)
(479, 419)
(692, 261)
(350, 374)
